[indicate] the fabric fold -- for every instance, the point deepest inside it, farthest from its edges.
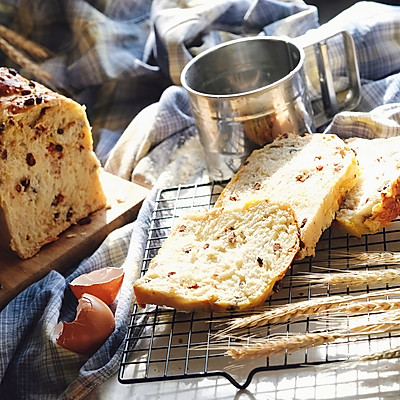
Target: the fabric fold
(160, 148)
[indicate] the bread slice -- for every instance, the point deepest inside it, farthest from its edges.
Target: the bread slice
(49, 174)
(311, 173)
(375, 200)
(219, 260)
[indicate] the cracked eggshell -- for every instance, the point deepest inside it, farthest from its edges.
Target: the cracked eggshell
(103, 283)
(93, 324)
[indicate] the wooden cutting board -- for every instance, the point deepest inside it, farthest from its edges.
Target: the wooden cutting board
(124, 201)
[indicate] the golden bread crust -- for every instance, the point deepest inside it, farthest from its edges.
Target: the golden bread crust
(49, 174)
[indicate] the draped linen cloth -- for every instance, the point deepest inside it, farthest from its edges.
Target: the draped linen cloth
(123, 60)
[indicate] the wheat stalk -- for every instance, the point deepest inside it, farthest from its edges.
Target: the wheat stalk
(9, 39)
(368, 307)
(358, 278)
(23, 43)
(367, 257)
(353, 277)
(302, 308)
(377, 258)
(381, 355)
(21, 60)
(387, 322)
(269, 347)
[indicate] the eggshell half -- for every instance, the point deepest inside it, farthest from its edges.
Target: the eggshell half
(93, 324)
(103, 283)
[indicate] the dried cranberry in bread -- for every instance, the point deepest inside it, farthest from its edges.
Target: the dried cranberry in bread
(218, 260)
(49, 174)
(311, 173)
(375, 200)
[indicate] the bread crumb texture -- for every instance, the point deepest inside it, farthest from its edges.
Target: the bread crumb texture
(49, 174)
(220, 260)
(375, 200)
(312, 173)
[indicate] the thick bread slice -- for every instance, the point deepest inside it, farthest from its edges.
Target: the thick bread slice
(375, 200)
(49, 174)
(311, 173)
(219, 260)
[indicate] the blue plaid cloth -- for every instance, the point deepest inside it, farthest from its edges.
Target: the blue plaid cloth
(123, 60)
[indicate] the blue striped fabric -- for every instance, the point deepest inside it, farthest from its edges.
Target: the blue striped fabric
(123, 59)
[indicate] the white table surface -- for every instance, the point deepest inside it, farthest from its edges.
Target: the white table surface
(367, 380)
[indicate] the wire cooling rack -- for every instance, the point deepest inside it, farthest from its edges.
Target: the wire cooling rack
(164, 344)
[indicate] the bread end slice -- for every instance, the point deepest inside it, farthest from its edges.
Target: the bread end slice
(374, 202)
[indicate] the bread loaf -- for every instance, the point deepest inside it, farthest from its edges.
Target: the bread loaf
(49, 174)
(375, 200)
(219, 260)
(311, 173)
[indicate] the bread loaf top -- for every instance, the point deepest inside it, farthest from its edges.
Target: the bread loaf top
(18, 94)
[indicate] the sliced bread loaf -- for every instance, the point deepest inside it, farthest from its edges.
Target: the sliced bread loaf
(49, 174)
(375, 200)
(311, 173)
(218, 260)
